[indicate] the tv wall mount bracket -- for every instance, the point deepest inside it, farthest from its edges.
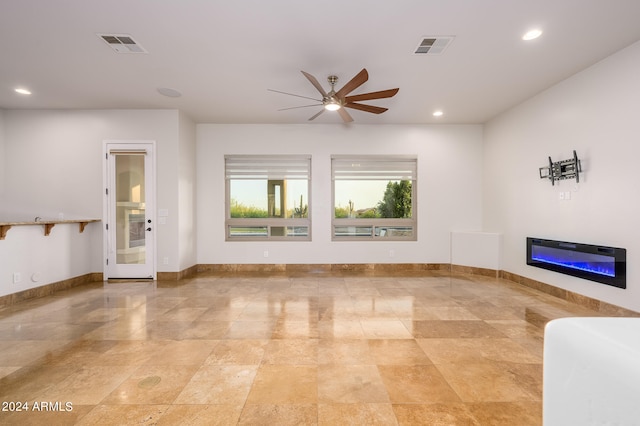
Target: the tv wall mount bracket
(560, 170)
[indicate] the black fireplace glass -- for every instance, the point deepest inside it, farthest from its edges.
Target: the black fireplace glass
(606, 265)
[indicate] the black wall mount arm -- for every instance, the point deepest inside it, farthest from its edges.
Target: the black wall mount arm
(560, 170)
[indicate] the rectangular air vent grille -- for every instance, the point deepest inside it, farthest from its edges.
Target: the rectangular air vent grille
(433, 45)
(122, 43)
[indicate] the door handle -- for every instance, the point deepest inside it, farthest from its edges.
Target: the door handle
(149, 229)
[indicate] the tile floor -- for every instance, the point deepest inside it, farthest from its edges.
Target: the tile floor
(327, 349)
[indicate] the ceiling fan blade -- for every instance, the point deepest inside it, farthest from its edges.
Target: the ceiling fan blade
(291, 94)
(302, 106)
(316, 115)
(366, 108)
(345, 115)
(353, 84)
(315, 83)
(372, 95)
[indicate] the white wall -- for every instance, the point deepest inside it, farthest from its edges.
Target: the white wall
(40, 259)
(595, 113)
(476, 249)
(53, 164)
(187, 192)
(449, 189)
(2, 161)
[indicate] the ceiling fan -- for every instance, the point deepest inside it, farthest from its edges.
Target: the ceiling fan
(338, 101)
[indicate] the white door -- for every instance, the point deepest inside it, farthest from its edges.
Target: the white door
(129, 207)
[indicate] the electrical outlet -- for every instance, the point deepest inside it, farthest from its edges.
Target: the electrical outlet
(392, 253)
(17, 277)
(265, 253)
(165, 260)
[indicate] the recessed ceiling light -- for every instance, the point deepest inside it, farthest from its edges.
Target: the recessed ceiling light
(172, 93)
(22, 91)
(531, 35)
(438, 113)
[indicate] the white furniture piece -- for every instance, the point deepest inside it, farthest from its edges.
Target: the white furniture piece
(591, 372)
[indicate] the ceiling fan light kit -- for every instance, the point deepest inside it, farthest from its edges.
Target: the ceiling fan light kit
(332, 105)
(335, 101)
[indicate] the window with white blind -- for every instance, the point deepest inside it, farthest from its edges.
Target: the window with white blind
(374, 197)
(267, 197)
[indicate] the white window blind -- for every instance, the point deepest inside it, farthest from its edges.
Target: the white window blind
(267, 167)
(383, 168)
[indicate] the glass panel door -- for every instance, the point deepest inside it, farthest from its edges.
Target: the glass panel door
(129, 207)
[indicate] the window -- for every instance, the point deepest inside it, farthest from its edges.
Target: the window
(374, 197)
(267, 197)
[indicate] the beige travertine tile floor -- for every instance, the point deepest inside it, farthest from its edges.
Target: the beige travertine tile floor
(329, 349)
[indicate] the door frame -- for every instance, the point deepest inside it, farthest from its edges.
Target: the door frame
(150, 213)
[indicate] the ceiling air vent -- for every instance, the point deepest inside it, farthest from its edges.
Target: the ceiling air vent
(433, 45)
(122, 43)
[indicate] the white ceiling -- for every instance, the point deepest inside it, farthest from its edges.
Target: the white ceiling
(223, 55)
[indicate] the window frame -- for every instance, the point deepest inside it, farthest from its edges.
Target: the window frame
(336, 162)
(273, 170)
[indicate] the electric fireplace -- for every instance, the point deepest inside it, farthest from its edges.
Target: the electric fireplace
(606, 265)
